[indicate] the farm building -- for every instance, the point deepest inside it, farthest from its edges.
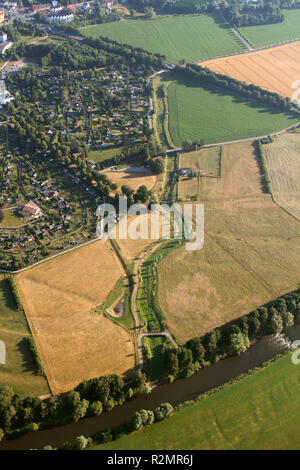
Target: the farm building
(31, 209)
(188, 172)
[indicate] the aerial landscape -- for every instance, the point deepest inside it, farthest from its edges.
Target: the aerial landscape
(149, 227)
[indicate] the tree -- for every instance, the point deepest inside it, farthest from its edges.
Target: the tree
(197, 348)
(287, 319)
(238, 343)
(127, 190)
(149, 12)
(142, 194)
(81, 442)
(297, 316)
(163, 411)
(96, 408)
(275, 321)
(142, 418)
(157, 166)
(80, 410)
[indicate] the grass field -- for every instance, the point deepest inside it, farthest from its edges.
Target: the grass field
(260, 412)
(59, 296)
(283, 160)
(133, 177)
(274, 33)
(206, 159)
(251, 252)
(19, 370)
(189, 37)
(11, 220)
(104, 154)
(216, 115)
(275, 69)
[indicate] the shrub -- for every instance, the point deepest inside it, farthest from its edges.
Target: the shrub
(96, 408)
(163, 411)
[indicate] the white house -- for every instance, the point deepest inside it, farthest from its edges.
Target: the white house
(3, 37)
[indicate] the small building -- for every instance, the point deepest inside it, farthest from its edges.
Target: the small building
(31, 210)
(4, 46)
(3, 36)
(5, 96)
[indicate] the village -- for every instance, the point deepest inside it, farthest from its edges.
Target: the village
(48, 207)
(40, 215)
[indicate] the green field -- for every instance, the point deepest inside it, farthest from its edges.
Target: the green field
(261, 411)
(270, 34)
(10, 219)
(18, 372)
(105, 154)
(215, 115)
(186, 37)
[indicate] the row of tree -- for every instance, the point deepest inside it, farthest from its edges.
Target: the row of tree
(225, 82)
(90, 398)
(234, 338)
(253, 13)
(260, 154)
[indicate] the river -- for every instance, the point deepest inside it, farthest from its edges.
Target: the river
(179, 391)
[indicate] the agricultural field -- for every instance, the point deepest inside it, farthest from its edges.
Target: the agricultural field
(270, 34)
(283, 161)
(11, 219)
(188, 188)
(274, 69)
(104, 154)
(189, 37)
(260, 412)
(59, 297)
(205, 159)
(208, 161)
(249, 241)
(216, 115)
(130, 249)
(19, 370)
(133, 177)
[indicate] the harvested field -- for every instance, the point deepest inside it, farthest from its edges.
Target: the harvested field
(188, 187)
(131, 248)
(274, 69)
(251, 252)
(283, 160)
(58, 297)
(206, 159)
(133, 177)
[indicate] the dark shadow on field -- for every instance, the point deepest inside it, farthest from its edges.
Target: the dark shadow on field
(8, 299)
(27, 361)
(215, 90)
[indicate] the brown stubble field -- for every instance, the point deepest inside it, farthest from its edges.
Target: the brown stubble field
(251, 252)
(274, 69)
(58, 296)
(134, 179)
(283, 160)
